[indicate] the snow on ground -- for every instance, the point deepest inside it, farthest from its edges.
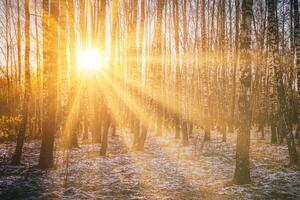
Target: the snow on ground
(165, 170)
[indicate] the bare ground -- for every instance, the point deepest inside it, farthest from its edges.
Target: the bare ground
(165, 170)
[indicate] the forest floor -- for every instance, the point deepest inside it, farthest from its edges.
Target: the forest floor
(165, 170)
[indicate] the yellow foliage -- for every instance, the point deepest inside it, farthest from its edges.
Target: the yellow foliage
(9, 126)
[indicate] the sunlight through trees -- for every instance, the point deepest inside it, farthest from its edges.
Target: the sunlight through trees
(79, 72)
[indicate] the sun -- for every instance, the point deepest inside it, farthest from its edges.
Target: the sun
(90, 60)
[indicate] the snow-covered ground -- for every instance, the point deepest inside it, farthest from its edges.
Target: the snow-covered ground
(165, 170)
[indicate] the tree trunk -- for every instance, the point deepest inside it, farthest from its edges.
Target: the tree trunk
(38, 73)
(64, 89)
(177, 75)
(107, 115)
(273, 133)
(242, 169)
(19, 41)
(184, 109)
(223, 66)
(158, 66)
(106, 124)
(73, 103)
(21, 135)
(101, 41)
(205, 71)
(283, 114)
(50, 60)
(185, 139)
(297, 50)
(235, 60)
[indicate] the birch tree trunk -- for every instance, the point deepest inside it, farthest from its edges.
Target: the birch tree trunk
(296, 51)
(50, 62)
(242, 169)
(22, 130)
(235, 60)
(177, 70)
(106, 113)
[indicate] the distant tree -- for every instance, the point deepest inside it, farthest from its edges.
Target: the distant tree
(278, 91)
(19, 41)
(223, 44)
(158, 66)
(177, 116)
(38, 72)
(204, 65)
(144, 125)
(22, 130)
(98, 96)
(185, 50)
(73, 104)
(63, 66)
(235, 59)
(296, 44)
(106, 113)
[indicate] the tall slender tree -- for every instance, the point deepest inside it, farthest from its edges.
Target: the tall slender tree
(22, 130)
(38, 71)
(19, 41)
(205, 72)
(106, 113)
(50, 63)
(185, 28)
(279, 91)
(158, 52)
(235, 59)
(242, 168)
(98, 98)
(177, 68)
(63, 65)
(296, 43)
(144, 125)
